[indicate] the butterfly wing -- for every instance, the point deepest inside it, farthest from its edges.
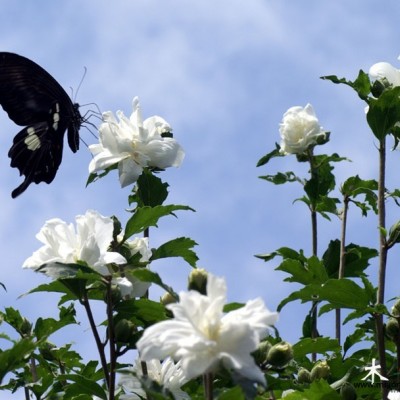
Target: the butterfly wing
(33, 98)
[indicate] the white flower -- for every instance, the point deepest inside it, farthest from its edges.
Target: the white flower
(201, 336)
(140, 245)
(134, 144)
(167, 374)
(299, 130)
(394, 395)
(384, 71)
(129, 285)
(64, 244)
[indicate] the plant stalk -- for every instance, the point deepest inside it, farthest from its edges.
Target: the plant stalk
(383, 249)
(342, 261)
(99, 344)
(208, 386)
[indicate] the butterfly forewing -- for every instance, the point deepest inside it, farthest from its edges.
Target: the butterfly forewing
(34, 99)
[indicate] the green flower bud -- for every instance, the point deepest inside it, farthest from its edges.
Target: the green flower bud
(393, 329)
(394, 234)
(25, 328)
(348, 392)
(320, 370)
(167, 298)
(198, 280)
(124, 330)
(260, 355)
(396, 309)
(280, 354)
(116, 296)
(379, 86)
(47, 351)
(303, 375)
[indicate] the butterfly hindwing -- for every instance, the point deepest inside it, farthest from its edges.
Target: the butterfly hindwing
(34, 99)
(37, 153)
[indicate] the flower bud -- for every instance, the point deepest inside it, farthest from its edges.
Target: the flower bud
(396, 309)
(198, 280)
(116, 295)
(393, 329)
(348, 392)
(280, 354)
(25, 328)
(304, 375)
(320, 370)
(167, 298)
(260, 355)
(47, 351)
(394, 234)
(378, 87)
(124, 330)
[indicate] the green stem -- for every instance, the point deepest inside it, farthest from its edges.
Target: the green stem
(314, 234)
(112, 344)
(99, 344)
(382, 262)
(342, 261)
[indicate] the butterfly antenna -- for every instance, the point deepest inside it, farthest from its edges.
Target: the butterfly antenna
(74, 97)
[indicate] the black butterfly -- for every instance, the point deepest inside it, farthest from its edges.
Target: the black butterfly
(34, 99)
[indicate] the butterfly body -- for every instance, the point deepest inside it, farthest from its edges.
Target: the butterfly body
(34, 99)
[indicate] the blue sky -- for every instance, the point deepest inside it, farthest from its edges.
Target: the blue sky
(222, 73)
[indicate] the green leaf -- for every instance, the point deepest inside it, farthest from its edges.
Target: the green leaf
(355, 186)
(354, 338)
(274, 153)
(95, 176)
(145, 275)
(318, 390)
(44, 327)
(145, 217)
(320, 345)
(384, 112)
(180, 247)
(234, 393)
(16, 356)
(322, 180)
(149, 191)
(313, 271)
(142, 311)
(281, 178)
(357, 259)
(361, 85)
(340, 293)
(284, 252)
(82, 385)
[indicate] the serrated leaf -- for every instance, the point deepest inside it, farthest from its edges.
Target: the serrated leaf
(354, 338)
(280, 178)
(144, 217)
(384, 112)
(145, 275)
(144, 311)
(361, 85)
(180, 247)
(320, 345)
(16, 356)
(313, 271)
(318, 390)
(82, 385)
(340, 293)
(149, 190)
(274, 153)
